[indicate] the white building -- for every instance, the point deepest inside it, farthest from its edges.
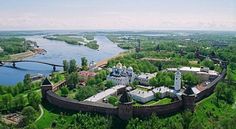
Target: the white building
(143, 79)
(145, 96)
(120, 75)
(203, 72)
(142, 96)
(177, 84)
(92, 66)
(100, 96)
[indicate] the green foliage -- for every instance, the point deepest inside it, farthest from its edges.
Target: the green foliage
(13, 46)
(109, 84)
(64, 91)
(163, 79)
(84, 63)
(190, 79)
(113, 100)
(208, 63)
(157, 95)
(65, 65)
(137, 64)
(34, 99)
(85, 92)
(90, 42)
(72, 79)
(73, 66)
(57, 77)
(29, 115)
(224, 92)
(27, 82)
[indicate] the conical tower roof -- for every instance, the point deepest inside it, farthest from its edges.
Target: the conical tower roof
(46, 82)
(125, 98)
(188, 91)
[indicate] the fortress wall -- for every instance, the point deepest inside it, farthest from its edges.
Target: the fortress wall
(144, 111)
(83, 106)
(210, 87)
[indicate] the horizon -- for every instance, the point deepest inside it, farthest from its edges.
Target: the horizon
(209, 15)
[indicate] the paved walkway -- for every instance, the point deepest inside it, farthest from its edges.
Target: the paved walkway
(42, 112)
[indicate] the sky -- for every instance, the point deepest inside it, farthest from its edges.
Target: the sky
(118, 15)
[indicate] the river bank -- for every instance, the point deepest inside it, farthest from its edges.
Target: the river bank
(105, 61)
(22, 55)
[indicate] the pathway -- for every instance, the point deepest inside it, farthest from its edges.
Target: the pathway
(42, 112)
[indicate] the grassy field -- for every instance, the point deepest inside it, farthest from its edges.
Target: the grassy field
(154, 102)
(51, 114)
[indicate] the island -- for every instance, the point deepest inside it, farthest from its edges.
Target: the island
(18, 48)
(86, 40)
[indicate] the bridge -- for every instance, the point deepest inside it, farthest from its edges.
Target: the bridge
(30, 61)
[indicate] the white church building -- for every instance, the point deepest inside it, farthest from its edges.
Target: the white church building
(121, 75)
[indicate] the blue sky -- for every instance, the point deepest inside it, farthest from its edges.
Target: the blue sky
(118, 14)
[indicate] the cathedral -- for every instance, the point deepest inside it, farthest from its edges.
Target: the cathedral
(121, 75)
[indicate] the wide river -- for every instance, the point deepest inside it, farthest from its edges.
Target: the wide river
(57, 51)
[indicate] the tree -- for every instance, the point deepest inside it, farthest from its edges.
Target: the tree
(224, 92)
(208, 63)
(64, 91)
(28, 115)
(109, 84)
(84, 92)
(157, 95)
(73, 66)
(191, 79)
(31, 126)
(187, 118)
(65, 65)
(27, 82)
(7, 100)
(72, 79)
(19, 102)
(34, 99)
(153, 82)
(113, 100)
(84, 63)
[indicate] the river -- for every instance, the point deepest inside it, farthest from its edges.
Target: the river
(57, 51)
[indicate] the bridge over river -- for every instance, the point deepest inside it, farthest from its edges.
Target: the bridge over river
(14, 62)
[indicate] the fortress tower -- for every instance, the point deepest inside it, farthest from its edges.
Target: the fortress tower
(189, 99)
(177, 80)
(46, 85)
(125, 108)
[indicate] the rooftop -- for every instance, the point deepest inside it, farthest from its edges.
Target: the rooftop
(104, 94)
(147, 75)
(195, 69)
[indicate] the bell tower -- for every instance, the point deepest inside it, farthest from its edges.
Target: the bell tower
(177, 80)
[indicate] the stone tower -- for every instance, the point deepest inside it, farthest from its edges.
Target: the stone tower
(189, 99)
(46, 85)
(125, 108)
(177, 80)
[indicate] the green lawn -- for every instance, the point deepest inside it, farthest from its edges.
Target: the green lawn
(209, 114)
(51, 114)
(154, 102)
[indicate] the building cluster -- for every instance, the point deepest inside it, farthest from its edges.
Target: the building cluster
(203, 73)
(121, 75)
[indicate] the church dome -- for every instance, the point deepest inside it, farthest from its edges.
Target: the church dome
(119, 65)
(130, 68)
